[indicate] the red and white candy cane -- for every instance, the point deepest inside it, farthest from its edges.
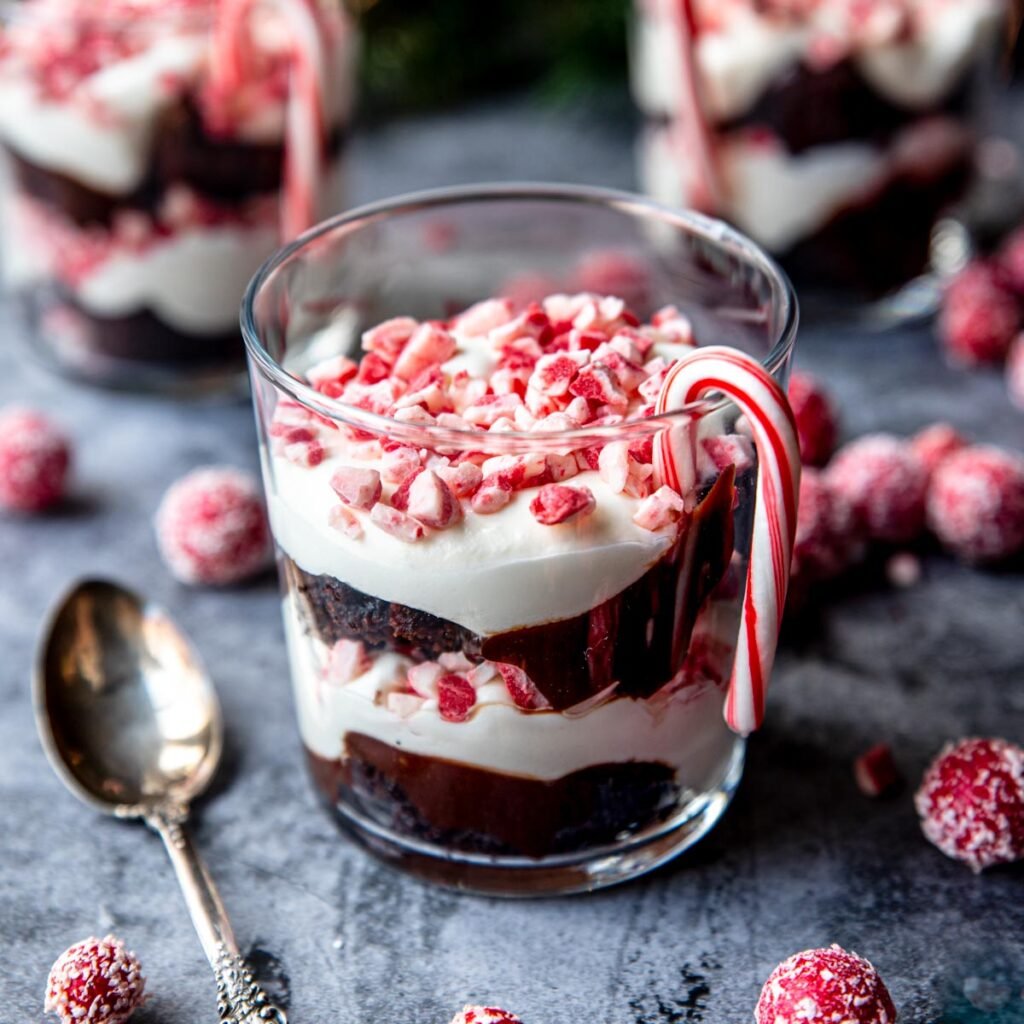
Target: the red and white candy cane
(763, 402)
(304, 114)
(689, 128)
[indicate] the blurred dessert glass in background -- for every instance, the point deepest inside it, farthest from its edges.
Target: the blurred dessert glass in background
(834, 132)
(153, 155)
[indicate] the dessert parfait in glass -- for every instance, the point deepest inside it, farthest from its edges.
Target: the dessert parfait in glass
(833, 132)
(515, 538)
(153, 155)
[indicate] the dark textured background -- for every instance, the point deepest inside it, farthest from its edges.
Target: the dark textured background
(801, 859)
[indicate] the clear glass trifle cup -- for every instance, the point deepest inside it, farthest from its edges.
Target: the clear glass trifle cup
(532, 556)
(152, 156)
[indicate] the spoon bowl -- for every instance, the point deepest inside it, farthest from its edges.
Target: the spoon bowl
(128, 715)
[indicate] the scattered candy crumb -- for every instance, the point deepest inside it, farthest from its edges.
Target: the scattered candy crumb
(875, 771)
(971, 802)
(212, 528)
(34, 459)
(825, 986)
(484, 1015)
(96, 981)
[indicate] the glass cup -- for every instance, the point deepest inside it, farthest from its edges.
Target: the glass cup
(151, 157)
(582, 741)
(836, 135)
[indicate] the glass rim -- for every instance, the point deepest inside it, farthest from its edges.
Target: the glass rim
(710, 229)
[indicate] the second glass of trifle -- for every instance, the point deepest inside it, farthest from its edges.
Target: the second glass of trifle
(533, 559)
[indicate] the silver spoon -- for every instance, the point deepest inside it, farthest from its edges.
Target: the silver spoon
(130, 722)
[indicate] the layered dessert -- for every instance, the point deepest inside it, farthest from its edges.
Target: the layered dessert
(149, 168)
(834, 132)
(508, 635)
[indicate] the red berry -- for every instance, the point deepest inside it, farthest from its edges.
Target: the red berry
(816, 421)
(976, 503)
(885, 483)
(875, 771)
(34, 460)
(979, 316)
(484, 1015)
(455, 697)
(95, 982)
(827, 537)
(971, 802)
(211, 527)
(936, 443)
(825, 986)
(1015, 372)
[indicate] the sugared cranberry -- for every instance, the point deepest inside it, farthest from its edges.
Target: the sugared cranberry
(484, 1015)
(825, 986)
(979, 316)
(816, 421)
(885, 482)
(211, 527)
(96, 981)
(976, 503)
(827, 536)
(934, 444)
(1011, 260)
(1015, 372)
(34, 460)
(971, 802)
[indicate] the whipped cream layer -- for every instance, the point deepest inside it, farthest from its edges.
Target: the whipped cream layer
(489, 573)
(684, 730)
(780, 198)
(739, 51)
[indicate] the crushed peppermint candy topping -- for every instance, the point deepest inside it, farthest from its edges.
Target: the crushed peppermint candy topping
(566, 363)
(485, 1015)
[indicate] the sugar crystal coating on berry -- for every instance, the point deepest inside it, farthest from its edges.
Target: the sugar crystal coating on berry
(816, 421)
(976, 503)
(825, 986)
(484, 1015)
(885, 482)
(96, 981)
(212, 528)
(935, 443)
(34, 459)
(1011, 260)
(971, 802)
(1015, 372)
(980, 316)
(827, 536)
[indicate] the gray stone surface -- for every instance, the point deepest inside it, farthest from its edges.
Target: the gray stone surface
(801, 859)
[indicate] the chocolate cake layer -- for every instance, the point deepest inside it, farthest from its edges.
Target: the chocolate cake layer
(880, 244)
(804, 108)
(639, 637)
(224, 170)
(477, 811)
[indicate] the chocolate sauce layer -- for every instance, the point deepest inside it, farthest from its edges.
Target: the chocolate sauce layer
(638, 637)
(474, 810)
(807, 108)
(880, 244)
(223, 170)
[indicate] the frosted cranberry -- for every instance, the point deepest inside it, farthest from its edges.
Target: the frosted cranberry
(827, 536)
(211, 527)
(979, 316)
(34, 459)
(885, 482)
(976, 503)
(971, 802)
(1011, 260)
(823, 986)
(816, 421)
(96, 981)
(934, 444)
(1015, 372)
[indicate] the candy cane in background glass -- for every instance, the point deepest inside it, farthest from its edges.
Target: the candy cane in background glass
(763, 402)
(304, 116)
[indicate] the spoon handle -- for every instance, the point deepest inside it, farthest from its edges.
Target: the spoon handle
(241, 1000)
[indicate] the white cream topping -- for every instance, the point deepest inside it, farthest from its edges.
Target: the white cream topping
(489, 573)
(685, 731)
(192, 281)
(108, 153)
(740, 52)
(779, 198)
